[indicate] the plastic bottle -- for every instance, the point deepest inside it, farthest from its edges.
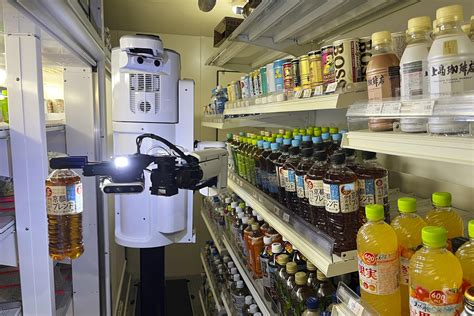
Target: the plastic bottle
(279, 169)
(287, 287)
(257, 245)
(64, 211)
(335, 143)
(311, 271)
(272, 176)
(340, 184)
(435, 276)
(301, 189)
(351, 161)
(315, 189)
(465, 254)
(451, 54)
(265, 257)
(408, 227)
(300, 293)
(241, 153)
(443, 214)
(251, 173)
(246, 240)
(228, 145)
(297, 256)
(306, 142)
(262, 161)
(236, 227)
(280, 282)
(312, 307)
(289, 173)
(248, 302)
(4, 106)
(238, 295)
(383, 76)
(468, 302)
(324, 291)
(251, 310)
(379, 263)
(273, 234)
(272, 269)
(372, 181)
(258, 171)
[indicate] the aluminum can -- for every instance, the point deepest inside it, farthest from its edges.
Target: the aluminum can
(244, 87)
(263, 80)
(327, 63)
(251, 85)
(315, 68)
(347, 61)
(256, 82)
(279, 75)
(295, 68)
(304, 72)
(270, 78)
(230, 92)
(237, 89)
(288, 76)
(365, 49)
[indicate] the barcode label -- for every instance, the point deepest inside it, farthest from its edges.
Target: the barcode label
(318, 90)
(286, 217)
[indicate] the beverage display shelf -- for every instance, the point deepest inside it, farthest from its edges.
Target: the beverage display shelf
(320, 102)
(51, 126)
(225, 302)
(210, 279)
(203, 305)
(212, 231)
(255, 286)
(316, 247)
(453, 149)
(221, 125)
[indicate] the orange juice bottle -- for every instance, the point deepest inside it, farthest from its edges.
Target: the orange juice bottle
(379, 263)
(408, 227)
(435, 276)
(465, 255)
(443, 214)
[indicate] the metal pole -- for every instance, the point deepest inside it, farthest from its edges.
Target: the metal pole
(152, 281)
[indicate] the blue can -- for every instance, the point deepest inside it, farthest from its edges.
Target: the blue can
(278, 70)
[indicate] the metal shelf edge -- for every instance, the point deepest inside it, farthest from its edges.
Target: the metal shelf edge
(211, 282)
(217, 242)
(203, 305)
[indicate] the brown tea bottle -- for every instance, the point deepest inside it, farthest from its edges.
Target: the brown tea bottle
(289, 172)
(314, 184)
(301, 189)
(279, 169)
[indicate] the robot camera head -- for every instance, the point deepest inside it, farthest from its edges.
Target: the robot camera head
(142, 53)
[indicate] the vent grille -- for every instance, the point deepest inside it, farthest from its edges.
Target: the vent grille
(144, 93)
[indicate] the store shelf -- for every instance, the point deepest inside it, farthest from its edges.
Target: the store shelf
(8, 245)
(255, 286)
(315, 246)
(212, 230)
(210, 279)
(323, 102)
(459, 150)
(225, 302)
(276, 120)
(203, 304)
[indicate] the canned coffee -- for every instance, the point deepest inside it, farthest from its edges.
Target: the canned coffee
(279, 75)
(315, 69)
(327, 62)
(304, 72)
(251, 85)
(295, 68)
(237, 89)
(365, 49)
(346, 61)
(288, 76)
(256, 83)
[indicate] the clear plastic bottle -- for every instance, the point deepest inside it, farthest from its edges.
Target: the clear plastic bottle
(297, 256)
(64, 210)
(408, 227)
(251, 173)
(443, 214)
(379, 263)
(340, 190)
(289, 173)
(468, 302)
(248, 301)
(287, 287)
(435, 276)
(311, 271)
(300, 293)
(279, 162)
(451, 54)
(312, 307)
(465, 254)
(315, 189)
(238, 295)
(324, 291)
(228, 144)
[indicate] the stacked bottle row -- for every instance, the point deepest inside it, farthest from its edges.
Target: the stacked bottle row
(307, 171)
(406, 268)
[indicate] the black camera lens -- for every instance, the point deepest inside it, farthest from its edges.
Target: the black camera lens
(157, 63)
(140, 60)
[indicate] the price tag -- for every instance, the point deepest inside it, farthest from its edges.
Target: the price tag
(318, 90)
(298, 94)
(254, 194)
(424, 107)
(276, 210)
(307, 93)
(355, 307)
(270, 98)
(258, 101)
(331, 87)
(374, 108)
(391, 108)
(286, 217)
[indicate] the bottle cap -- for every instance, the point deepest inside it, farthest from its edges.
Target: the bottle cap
(282, 259)
(227, 200)
(229, 135)
(309, 131)
(306, 138)
(242, 133)
(449, 14)
(470, 228)
(240, 284)
(291, 267)
(255, 226)
(253, 308)
(300, 278)
(254, 142)
(276, 247)
(230, 264)
(257, 314)
(267, 240)
(441, 199)
(295, 143)
(366, 155)
(248, 300)
(325, 136)
(324, 129)
(266, 145)
(420, 23)
(250, 221)
(286, 141)
(381, 37)
(466, 28)
(302, 131)
(406, 205)
(338, 158)
(226, 259)
(274, 146)
(333, 130)
(245, 220)
(307, 152)
(320, 276)
(236, 277)
(317, 133)
(374, 212)
(240, 215)
(254, 213)
(234, 271)
(234, 204)
(434, 236)
(310, 266)
(259, 218)
(242, 205)
(312, 303)
(336, 137)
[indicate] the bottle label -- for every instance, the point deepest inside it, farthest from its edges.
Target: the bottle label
(64, 199)
(452, 75)
(373, 191)
(341, 198)
(414, 78)
(290, 180)
(264, 179)
(258, 176)
(379, 273)
(281, 176)
(300, 186)
(265, 273)
(315, 192)
(272, 182)
(445, 302)
(383, 83)
(239, 302)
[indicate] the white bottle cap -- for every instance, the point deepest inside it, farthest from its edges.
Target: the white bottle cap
(227, 200)
(254, 213)
(248, 299)
(276, 247)
(259, 218)
(237, 278)
(253, 308)
(234, 204)
(240, 284)
(230, 264)
(267, 240)
(233, 271)
(245, 220)
(238, 209)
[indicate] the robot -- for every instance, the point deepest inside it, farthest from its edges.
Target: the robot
(153, 122)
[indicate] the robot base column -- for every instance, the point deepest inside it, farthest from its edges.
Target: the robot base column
(152, 281)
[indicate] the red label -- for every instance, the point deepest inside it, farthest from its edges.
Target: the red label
(438, 297)
(370, 258)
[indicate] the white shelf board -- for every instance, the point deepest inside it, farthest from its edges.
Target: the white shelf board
(459, 150)
(252, 285)
(51, 126)
(212, 285)
(203, 304)
(226, 304)
(323, 102)
(312, 249)
(212, 231)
